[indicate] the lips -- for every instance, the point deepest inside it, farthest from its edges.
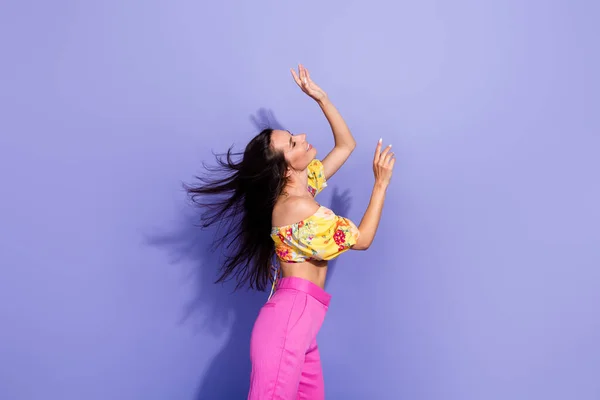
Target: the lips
(308, 147)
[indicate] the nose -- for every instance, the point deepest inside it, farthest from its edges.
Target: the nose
(303, 136)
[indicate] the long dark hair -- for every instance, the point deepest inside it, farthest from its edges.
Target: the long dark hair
(243, 207)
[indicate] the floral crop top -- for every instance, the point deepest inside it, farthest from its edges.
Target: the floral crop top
(321, 236)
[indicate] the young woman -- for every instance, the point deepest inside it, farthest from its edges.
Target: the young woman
(267, 202)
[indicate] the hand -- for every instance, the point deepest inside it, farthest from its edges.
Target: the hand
(307, 85)
(383, 164)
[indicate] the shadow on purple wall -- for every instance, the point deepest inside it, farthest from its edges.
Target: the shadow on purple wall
(215, 308)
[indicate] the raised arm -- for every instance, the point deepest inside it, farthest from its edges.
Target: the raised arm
(344, 142)
(383, 164)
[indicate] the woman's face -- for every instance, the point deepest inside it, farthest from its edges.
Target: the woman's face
(297, 151)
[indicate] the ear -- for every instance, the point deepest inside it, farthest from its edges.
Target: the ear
(288, 172)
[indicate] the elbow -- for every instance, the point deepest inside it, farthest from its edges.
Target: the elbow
(348, 146)
(361, 245)
(351, 145)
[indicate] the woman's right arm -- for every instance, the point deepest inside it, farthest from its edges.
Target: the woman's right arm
(383, 164)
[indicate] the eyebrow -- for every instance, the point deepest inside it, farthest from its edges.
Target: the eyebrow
(290, 137)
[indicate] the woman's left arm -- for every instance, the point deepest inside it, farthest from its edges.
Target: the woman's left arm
(344, 142)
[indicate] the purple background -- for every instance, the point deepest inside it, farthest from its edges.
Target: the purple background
(483, 281)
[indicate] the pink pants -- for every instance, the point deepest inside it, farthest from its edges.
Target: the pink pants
(283, 347)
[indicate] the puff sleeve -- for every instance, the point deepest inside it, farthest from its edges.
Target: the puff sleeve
(316, 177)
(323, 236)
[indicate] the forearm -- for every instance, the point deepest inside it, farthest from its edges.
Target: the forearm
(370, 221)
(341, 133)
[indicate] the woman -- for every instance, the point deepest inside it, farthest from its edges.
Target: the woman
(271, 213)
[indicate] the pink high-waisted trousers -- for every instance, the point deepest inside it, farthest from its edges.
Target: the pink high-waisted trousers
(283, 346)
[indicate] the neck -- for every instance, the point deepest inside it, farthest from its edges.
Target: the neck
(297, 184)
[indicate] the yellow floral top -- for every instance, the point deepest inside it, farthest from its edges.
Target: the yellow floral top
(322, 236)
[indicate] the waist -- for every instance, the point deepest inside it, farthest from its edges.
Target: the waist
(305, 286)
(315, 272)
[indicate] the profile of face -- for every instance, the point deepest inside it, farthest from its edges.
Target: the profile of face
(297, 151)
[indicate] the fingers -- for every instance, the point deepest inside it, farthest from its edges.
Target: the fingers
(306, 74)
(392, 162)
(377, 152)
(385, 157)
(384, 154)
(303, 76)
(389, 158)
(296, 78)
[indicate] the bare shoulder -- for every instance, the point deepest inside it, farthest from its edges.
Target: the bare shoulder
(293, 209)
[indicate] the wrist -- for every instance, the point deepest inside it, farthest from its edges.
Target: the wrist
(323, 101)
(380, 186)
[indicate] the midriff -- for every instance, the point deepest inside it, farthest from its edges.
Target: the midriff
(314, 271)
